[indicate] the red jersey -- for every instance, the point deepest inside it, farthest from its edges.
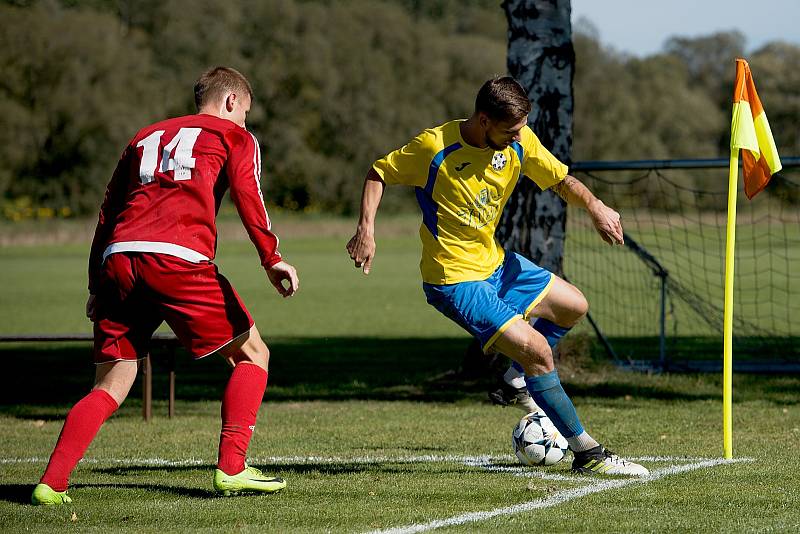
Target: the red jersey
(167, 188)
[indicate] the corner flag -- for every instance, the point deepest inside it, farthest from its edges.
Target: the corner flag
(750, 131)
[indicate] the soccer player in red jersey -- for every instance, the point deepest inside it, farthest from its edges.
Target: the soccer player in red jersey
(151, 261)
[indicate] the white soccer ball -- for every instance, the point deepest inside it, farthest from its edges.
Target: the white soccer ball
(537, 441)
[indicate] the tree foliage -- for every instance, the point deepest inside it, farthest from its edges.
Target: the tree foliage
(337, 84)
(70, 94)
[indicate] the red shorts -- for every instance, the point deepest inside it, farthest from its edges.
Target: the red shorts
(140, 290)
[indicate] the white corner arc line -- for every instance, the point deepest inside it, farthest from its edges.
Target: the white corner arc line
(556, 498)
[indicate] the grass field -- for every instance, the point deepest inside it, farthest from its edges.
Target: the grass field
(50, 276)
(409, 453)
(334, 300)
(370, 421)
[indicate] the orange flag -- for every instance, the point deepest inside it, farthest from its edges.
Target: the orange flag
(750, 132)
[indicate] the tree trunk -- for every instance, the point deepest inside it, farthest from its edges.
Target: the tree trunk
(542, 59)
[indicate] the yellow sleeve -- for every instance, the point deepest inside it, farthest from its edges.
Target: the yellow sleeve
(538, 163)
(408, 165)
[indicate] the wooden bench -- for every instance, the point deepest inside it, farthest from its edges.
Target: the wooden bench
(167, 341)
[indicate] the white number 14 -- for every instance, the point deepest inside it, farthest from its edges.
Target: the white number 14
(181, 163)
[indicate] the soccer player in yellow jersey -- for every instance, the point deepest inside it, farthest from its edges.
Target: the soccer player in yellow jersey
(463, 173)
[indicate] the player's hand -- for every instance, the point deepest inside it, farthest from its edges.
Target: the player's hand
(283, 271)
(361, 248)
(607, 223)
(90, 307)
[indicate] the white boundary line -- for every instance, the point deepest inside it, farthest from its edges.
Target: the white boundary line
(557, 498)
(484, 461)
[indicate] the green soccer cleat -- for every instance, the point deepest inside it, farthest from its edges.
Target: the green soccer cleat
(251, 480)
(44, 494)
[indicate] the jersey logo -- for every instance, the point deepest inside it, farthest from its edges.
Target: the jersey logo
(463, 166)
(482, 212)
(498, 161)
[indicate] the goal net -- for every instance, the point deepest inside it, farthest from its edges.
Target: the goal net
(661, 296)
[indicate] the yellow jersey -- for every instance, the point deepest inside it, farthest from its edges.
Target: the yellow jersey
(461, 190)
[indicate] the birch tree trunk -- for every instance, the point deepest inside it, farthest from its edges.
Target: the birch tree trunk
(542, 59)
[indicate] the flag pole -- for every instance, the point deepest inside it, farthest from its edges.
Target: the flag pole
(727, 368)
(749, 132)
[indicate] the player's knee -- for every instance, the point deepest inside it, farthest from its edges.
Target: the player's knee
(254, 351)
(581, 306)
(537, 357)
(248, 348)
(576, 310)
(116, 379)
(263, 358)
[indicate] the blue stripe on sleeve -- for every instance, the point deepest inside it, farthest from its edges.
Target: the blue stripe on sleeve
(425, 195)
(518, 149)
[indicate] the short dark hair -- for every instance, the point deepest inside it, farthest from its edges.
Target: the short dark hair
(214, 83)
(502, 98)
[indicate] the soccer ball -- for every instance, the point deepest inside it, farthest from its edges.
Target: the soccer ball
(537, 442)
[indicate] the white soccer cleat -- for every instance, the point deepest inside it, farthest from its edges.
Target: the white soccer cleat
(601, 461)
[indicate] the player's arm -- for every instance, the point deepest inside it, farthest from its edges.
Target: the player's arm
(244, 172)
(606, 220)
(549, 173)
(405, 166)
(361, 246)
(113, 203)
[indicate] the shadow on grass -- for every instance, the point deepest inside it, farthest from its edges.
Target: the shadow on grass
(300, 369)
(681, 349)
(16, 493)
(183, 491)
(613, 390)
(21, 493)
(328, 468)
(49, 377)
(340, 467)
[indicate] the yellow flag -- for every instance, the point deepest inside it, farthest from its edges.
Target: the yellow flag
(750, 132)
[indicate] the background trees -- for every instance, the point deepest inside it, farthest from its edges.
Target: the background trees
(337, 84)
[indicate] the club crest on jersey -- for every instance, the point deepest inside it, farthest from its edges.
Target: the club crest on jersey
(482, 198)
(498, 161)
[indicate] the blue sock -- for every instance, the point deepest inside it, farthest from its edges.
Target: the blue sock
(547, 392)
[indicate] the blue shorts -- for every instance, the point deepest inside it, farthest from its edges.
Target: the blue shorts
(486, 308)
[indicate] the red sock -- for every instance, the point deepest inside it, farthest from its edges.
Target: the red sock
(240, 405)
(80, 428)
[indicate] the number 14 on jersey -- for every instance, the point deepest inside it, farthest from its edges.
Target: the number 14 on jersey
(181, 163)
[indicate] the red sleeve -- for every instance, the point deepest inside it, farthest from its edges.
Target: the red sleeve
(113, 203)
(244, 173)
